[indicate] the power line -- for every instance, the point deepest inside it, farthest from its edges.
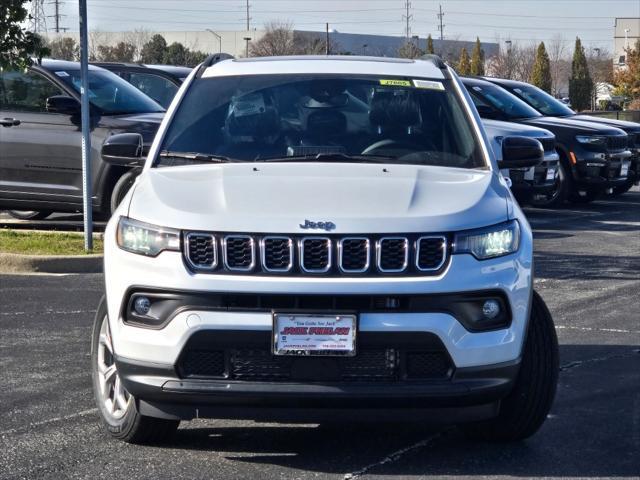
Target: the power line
(407, 17)
(38, 21)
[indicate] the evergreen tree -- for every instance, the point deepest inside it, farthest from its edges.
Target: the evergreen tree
(541, 72)
(580, 84)
(430, 49)
(477, 59)
(464, 65)
(153, 51)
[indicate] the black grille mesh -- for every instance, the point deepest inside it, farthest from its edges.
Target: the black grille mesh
(617, 143)
(355, 254)
(426, 365)
(205, 363)
(548, 144)
(315, 253)
(393, 254)
(431, 253)
(201, 250)
(277, 253)
(239, 252)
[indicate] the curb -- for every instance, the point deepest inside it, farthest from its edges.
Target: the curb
(18, 263)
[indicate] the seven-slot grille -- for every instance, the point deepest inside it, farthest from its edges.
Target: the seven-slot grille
(548, 143)
(314, 255)
(618, 142)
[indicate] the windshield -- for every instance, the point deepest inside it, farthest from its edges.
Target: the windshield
(110, 93)
(542, 101)
(499, 99)
(321, 118)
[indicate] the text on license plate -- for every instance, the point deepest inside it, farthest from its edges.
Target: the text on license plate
(314, 334)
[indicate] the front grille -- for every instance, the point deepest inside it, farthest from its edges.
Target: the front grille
(239, 252)
(330, 255)
(548, 143)
(634, 140)
(431, 253)
(315, 254)
(426, 364)
(201, 250)
(393, 254)
(618, 142)
(203, 363)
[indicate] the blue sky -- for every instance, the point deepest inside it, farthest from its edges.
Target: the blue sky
(523, 21)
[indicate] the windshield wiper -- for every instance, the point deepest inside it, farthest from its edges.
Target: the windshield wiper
(197, 157)
(332, 157)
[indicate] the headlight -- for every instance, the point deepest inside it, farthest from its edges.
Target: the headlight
(145, 239)
(592, 140)
(491, 242)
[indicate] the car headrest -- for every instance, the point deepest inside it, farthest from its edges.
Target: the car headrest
(252, 116)
(326, 123)
(393, 109)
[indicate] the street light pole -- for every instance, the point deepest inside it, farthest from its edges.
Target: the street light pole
(246, 48)
(508, 43)
(86, 132)
(218, 37)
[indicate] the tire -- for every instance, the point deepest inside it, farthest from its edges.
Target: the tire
(120, 189)
(559, 194)
(29, 214)
(525, 409)
(622, 189)
(120, 418)
(587, 197)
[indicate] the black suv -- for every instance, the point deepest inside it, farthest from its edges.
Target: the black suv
(547, 105)
(160, 82)
(594, 158)
(40, 137)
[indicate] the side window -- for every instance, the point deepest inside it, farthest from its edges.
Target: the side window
(154, 86)
(25, 92)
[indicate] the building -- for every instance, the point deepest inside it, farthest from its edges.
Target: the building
(626, 34)
(235, 42)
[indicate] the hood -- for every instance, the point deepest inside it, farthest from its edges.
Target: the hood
(577, 126)
(498, 128)
(357, 198)
(622, 124)
(146, 124)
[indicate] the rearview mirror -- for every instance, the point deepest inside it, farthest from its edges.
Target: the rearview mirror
(521, 152)
(124, 149)
(62, 104)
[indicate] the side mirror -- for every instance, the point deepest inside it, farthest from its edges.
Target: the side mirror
(521, 152)
(62, 104)
(123, 149)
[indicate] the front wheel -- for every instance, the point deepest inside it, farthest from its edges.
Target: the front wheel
(622, 189)
(29, 214)
(558, 195)
(116, 406)
(121, 188)
(524, 410)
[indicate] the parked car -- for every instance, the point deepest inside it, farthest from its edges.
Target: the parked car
(594, 158)
(160, 82)
(547, 105)
(283, 257)
(535, 185)
(40, 137)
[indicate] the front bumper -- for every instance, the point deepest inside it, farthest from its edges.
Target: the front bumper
(601, 171)
(536, 180)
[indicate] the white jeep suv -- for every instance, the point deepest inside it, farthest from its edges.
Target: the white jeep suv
(315, 238)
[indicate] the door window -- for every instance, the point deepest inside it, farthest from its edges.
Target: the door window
(25, 92)
(154, 86)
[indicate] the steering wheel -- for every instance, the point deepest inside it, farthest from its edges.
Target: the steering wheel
(390, 144)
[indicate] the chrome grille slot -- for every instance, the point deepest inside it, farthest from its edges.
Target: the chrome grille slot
(393, 254)
(239, 253)
(201, 251)
(431, 253)
(315, 254)
(277, 254)
(354, 254)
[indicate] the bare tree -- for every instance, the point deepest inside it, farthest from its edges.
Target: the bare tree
(278, 39)
(600, 63)
(559, 64)
(138, 38)
(524, 58)
(98, 38)
(409, 49)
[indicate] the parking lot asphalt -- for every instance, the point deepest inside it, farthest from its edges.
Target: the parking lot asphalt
(588, 271)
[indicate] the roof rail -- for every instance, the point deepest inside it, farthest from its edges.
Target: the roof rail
(435, 59)
(212, 60)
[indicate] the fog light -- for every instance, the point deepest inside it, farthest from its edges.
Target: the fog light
(491, 308)
(142, 305)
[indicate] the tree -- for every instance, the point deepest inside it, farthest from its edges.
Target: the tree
(430, 49)
(559, 65)
(409, 49)
(154, 50)
(17, 45)
(477, 59)
(65, 48)
(194, 57)
(580, 84)
(541, 73)
(121, 52)
(627, 78)
(176, 54)
(464, 64)
(278, 39)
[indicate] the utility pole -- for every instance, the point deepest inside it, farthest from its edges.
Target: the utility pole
(248, 17)
(441, 26)
(407, 17)
(326, 46)
(85, 126)
(56, 16)
(38, 22)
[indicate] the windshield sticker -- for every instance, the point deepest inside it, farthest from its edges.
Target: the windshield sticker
(428, 84)
(477, 89)
(395, 83)
(62, 73)
(517, 90)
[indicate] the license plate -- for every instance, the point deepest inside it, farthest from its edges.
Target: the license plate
(624, 170)
(314, 334)
(551, 173)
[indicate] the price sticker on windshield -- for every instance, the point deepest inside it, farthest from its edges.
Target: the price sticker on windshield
(429, 85)
(395, 83)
